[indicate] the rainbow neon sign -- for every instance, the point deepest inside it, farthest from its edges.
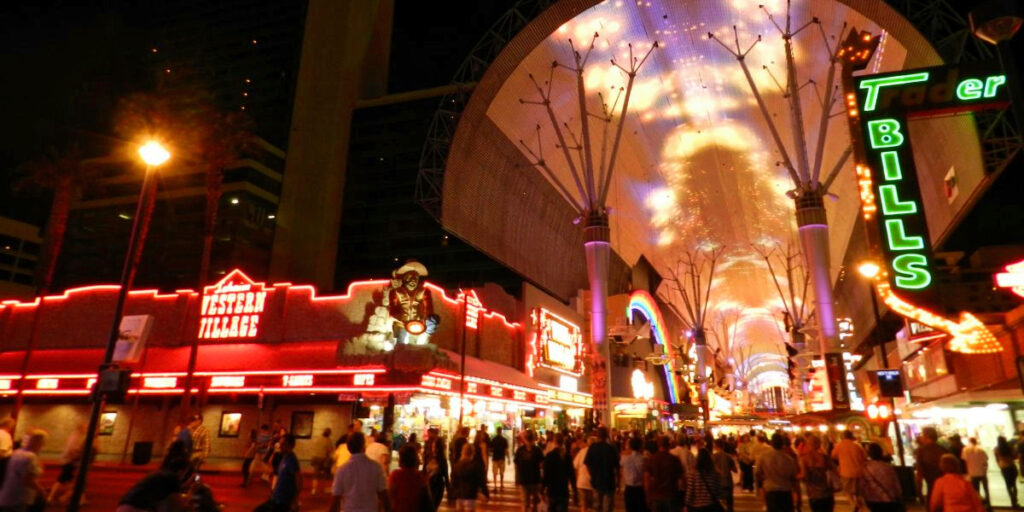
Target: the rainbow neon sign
(641, 302)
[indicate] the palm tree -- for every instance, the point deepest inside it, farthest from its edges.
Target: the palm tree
(64, 173)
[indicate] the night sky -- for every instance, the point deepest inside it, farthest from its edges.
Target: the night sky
(67, 63)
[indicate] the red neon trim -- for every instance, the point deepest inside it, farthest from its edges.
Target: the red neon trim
(56, 391)
(58, 376)
(344, 371)
(470, 378)
(556, 388)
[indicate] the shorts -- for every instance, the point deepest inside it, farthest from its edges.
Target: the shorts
(497, 466)
(465, 505)
(322, 467)
(67, 473)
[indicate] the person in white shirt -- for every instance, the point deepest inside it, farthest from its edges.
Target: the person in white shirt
(976, 461)
(632, 462)
(359, 484)
(21, 487)
(583, 477)
(684, 453)
(379, 452)
(6, 441)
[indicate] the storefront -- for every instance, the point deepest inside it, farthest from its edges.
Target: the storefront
(269, 353)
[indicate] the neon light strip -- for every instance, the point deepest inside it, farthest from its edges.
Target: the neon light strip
(642, 302)
(470, 378)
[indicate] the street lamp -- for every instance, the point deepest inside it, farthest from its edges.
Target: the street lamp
(870, 271)
(153, 155)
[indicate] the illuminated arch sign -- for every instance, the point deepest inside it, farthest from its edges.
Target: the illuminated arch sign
(231, 309)
(885, 103)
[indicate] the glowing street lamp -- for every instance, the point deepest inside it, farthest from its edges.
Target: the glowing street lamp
(153, 155)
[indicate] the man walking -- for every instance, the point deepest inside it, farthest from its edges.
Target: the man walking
(200, 441)
(528, 460)
(852, 458)
(927, 457)
(662, 473)
(359, 484)
(602, 462)
(499, 458)
(976, 461)
(775, 473)
(288, 483)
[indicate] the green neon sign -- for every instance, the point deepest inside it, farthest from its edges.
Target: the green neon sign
(874, 86)
(892, 204)
(896, 232)
(911, 271)
(974, 88)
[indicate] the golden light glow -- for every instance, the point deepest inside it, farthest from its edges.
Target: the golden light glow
(153, 153)
(869, 269)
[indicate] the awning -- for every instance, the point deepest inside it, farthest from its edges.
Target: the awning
(496, 372)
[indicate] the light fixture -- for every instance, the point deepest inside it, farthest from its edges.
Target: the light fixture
(234, 200)
(153, 153)
(869, 269)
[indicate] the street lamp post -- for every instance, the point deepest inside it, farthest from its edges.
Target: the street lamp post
(870, 271)
(154, 155)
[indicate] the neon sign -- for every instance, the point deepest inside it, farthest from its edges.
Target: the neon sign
(560, 343)
(297, 381)
(879, 107)
(227, 381)
(232, 308)
(1013, 278)
(159, 382)
(473, 307)
(363, 379)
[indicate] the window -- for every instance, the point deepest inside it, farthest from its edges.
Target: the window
(22, 278)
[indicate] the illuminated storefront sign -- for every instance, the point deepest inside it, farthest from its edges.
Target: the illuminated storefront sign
(47, 383)
(473, 308)
(297, 381)
(431, 381)
(560, 342)
(232, 308)
(227, 381)
(1013, 278)
(879, 107)
(363, 379)
(160, 382)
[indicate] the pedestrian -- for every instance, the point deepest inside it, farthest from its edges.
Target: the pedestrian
(602, 462)
(586, 491)
(975, 461)
(725, 466)
(851, 457)
(499, 458)
(461, 438)
(815, 468)
(775, 473)
(415, 443)
(927, 457)
(745, 452)
(482, 442)
(662, 472)
(880, 486)
(1005, 460)
(527, 460)
(288, 481)
(183, 435)
(407, 487)
(359, 483)
(702, 490)
(435, 465)
(468, 478)
(21, 488)
(161, 490)
(684, 451)
(323, 449)
(6, 444)
(379, 452)
(952, 492)
(557, 474)
(248, 457)
(261, 452)
(70, 458)
(200, 441)
(632, 466)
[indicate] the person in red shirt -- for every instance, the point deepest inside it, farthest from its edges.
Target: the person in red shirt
(953, 492)
(407, 486)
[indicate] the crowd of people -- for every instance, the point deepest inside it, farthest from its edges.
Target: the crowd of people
(653, 472)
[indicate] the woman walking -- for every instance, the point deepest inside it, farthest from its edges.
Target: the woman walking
(953, 493)
(702, 492)
(880, 486)
(1005, 460)
(814, 470)
(468, 479)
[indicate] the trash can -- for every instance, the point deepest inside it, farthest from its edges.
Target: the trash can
(142, 452)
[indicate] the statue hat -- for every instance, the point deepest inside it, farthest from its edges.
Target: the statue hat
(412, 266)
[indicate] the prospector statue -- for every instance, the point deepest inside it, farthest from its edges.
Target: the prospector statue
(411, 305)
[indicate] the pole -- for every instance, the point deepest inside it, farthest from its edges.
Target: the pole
(884, 360)
(462, 363)
(135, 242)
